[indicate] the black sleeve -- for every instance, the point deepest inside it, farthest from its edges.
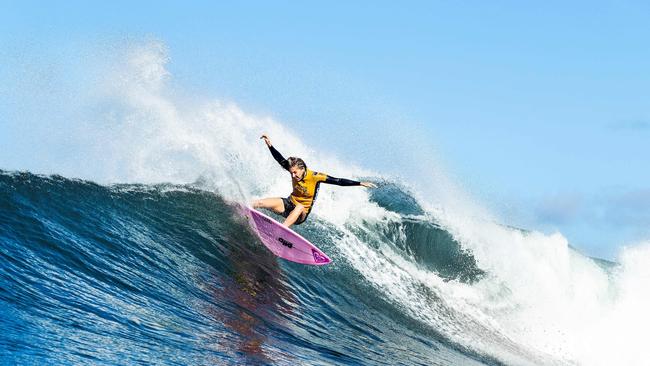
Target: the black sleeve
(341, 181)
(279, 158)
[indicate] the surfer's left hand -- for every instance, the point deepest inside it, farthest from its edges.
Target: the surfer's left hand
(267, 140)
(369, 185)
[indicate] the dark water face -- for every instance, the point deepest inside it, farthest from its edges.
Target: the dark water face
(133, 274)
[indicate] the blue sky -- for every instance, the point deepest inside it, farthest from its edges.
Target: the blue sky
(540, 109)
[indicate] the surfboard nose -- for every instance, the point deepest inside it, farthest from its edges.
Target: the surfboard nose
(320, 257)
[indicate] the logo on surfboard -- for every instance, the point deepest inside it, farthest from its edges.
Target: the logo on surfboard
(285, 242)
(318, 257)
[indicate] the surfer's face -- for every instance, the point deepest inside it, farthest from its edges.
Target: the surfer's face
(297, 173)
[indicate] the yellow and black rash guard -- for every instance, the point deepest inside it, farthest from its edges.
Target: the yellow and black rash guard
(306, 190)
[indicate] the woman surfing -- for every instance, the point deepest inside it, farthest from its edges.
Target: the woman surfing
(297, 206)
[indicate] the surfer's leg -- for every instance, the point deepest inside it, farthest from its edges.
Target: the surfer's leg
(294, 215)
(274, 204)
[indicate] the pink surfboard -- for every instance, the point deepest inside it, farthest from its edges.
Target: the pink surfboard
(284, 242)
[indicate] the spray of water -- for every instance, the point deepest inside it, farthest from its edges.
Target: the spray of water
(541, 302)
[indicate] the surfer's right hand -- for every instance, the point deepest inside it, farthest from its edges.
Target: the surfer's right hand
(368, 184)
(267, 140)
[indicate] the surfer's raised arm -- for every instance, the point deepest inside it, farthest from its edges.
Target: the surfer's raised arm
(276, 154)
(347, 182)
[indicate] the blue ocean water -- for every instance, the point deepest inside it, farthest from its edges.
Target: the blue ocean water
(169, 275)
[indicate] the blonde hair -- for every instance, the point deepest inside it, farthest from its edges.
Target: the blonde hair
(297, 162)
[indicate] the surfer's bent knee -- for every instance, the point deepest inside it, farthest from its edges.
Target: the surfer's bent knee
(302, 215)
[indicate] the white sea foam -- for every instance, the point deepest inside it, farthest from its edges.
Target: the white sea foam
(540, 298)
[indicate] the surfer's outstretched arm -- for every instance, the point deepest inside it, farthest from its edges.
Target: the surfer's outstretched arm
(347, 182)
(279, 158)
(276, 154)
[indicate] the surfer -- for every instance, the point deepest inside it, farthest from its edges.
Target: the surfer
(297, 206)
